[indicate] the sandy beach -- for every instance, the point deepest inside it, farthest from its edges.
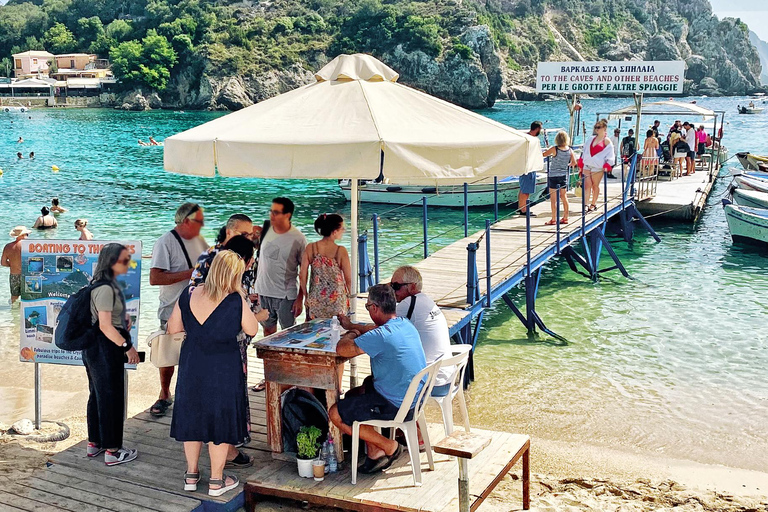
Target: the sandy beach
(566, 476)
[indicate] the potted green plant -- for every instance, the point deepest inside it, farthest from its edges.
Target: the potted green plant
(307, 447)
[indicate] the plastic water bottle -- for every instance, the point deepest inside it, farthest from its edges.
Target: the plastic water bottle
(335, 330)
(332, 464)
(326, 454)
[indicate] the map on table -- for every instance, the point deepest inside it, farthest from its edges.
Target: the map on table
(314, 335)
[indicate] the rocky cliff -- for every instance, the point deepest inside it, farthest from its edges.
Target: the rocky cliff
(762, 50)
(483, 52)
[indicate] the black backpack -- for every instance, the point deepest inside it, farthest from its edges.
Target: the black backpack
(301, 408)
(74, 329)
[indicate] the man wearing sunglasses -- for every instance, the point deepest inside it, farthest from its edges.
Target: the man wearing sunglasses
(171, 268)
(396, 357)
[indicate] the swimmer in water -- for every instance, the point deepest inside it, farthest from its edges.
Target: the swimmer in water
(153, 142)
(19, 155)
(142, 143)
(31, 155)
(21, 139)
(56, 207)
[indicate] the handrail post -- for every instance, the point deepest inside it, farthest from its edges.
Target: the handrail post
(376, 245)
(488, 263)
(466, 209)
(363, 263)
(583, 202)
(495, 199)
(471, 273)
(623, 188)
(425, 221)
(605, 198)
(528, 236)
(557, 220)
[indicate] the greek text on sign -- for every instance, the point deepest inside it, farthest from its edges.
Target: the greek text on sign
(626, 77)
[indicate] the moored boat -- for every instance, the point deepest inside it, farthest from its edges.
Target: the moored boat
(751, 198)
(478, 194)
(14, 109)
(752, 162)
(751, 110)
(751, 183)
(747, 225)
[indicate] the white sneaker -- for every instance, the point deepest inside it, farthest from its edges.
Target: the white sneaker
(121, 456)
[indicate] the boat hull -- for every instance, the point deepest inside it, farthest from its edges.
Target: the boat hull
(751, 162)
(747, 225)
(751, 198)
(14, 110)
(752, 183)
(450, 195)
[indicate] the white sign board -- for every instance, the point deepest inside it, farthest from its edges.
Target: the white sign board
(626, 77)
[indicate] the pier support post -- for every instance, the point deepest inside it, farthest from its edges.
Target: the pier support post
(364, 272)
(376, 245)
(425, 221)
(466, 210)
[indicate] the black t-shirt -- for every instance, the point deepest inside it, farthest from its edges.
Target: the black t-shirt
(628, 146)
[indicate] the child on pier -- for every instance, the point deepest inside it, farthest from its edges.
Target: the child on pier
(560, 159)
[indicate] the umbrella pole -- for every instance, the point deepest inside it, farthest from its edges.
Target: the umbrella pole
(353, 196)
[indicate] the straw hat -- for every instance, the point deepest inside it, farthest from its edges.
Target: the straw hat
(19, 231)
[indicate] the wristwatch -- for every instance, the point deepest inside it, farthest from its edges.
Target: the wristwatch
(126, 346)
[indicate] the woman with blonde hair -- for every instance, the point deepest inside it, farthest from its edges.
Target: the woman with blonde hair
(596, 158)
(210, 403)
(85, 233)
(561, 158)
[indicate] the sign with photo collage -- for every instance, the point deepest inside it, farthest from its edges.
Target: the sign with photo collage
(51, 271)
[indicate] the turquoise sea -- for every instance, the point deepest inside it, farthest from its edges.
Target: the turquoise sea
(672, 361)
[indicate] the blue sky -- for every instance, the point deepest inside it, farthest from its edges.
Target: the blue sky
(752, 12)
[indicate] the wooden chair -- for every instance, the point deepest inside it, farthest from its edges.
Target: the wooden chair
(409, 427)
(459, 359)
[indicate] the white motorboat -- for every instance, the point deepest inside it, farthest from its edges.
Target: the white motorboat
(751, 110)
(751, 198)
(752, 162)
(452, 194)
(751, 183)
(14, 109)
(747, 225)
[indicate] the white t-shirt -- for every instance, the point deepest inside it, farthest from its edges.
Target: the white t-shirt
(433, 331)
(690, 138)
(279, 262)
(167, 255)
(615, 141)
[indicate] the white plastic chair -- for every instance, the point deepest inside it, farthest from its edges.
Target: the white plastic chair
(408, 427)
(459, 359)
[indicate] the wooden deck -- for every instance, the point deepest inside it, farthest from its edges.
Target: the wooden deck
(680, 199)
(393, 489)
(444, 272)
(75, 483)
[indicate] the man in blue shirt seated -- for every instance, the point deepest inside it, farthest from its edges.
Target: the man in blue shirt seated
(396, 357)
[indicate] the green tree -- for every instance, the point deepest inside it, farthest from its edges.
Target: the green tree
(146, 62)
(88, 31)
(119, 30)
(58, 39)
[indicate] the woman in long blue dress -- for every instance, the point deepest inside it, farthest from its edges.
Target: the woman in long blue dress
(210, 404)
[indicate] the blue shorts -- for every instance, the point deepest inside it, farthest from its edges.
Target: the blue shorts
(528, 183)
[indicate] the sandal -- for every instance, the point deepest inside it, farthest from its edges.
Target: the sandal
(191, 486)
(160, 407)
(261, 386)
(241, 461)
(592, 208)
(564, 220)
(550, 223)
(222, 483)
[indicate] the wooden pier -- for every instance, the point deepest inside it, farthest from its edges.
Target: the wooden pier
(681, 199)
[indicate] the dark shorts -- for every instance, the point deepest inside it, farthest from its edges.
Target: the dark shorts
(15, 282)
(279, 310)
(528, 183)
(554, 182)
(702, 148)
(692, 155)
(371, 405)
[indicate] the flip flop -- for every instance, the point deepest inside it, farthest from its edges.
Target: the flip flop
(241, 461)
(261, 386)
(550, 223)
(160, 407)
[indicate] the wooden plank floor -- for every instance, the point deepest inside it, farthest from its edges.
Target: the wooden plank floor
(393, 489)
(680, 199)
(75, 483)
(444, 273)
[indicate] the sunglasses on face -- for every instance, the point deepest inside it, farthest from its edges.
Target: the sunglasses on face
(124, 261)
(396, 286)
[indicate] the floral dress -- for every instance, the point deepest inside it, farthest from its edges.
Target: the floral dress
(328, 295)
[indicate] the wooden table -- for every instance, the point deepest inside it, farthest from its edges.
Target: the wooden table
(305, 367)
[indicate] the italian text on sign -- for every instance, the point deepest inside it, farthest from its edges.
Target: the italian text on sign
(627, 77)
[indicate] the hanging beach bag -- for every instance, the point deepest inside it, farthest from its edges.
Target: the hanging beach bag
(164, 349)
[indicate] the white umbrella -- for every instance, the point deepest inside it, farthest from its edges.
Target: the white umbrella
(337, 128)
